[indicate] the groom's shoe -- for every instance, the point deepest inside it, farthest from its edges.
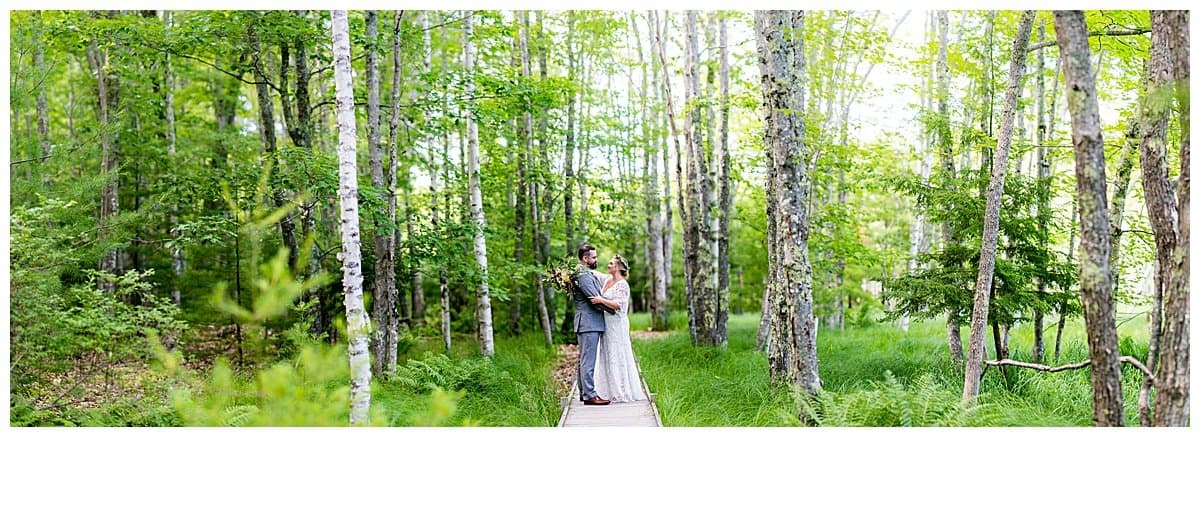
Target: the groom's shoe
(597, 400)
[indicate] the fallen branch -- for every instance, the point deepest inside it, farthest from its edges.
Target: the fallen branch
(1111, 33)
(1078, 365)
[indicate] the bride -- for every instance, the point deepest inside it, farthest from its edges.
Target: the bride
(616, 374)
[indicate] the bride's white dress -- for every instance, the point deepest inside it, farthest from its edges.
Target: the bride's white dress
(616, 375)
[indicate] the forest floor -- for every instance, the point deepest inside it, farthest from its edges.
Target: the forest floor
(95, 380)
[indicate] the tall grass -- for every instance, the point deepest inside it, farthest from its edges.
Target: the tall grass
(876, 376)
(711, 387)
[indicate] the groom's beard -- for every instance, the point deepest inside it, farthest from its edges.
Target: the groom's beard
(591, 266)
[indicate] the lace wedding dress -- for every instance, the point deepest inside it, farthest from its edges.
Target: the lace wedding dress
(616, 373)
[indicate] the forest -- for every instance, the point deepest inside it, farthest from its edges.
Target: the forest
(831, 217)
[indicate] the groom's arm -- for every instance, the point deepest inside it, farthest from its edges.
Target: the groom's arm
(590, 289)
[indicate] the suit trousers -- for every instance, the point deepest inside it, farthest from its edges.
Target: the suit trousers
(589, 344)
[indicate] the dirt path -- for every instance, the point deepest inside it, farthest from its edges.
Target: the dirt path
(564, 373)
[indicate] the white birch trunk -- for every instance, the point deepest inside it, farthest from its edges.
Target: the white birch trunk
(357, 324)
(483, 305)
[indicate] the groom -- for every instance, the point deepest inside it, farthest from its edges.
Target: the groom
(589, 324)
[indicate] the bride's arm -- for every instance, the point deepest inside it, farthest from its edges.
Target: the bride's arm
(606, 302)
(620, 304)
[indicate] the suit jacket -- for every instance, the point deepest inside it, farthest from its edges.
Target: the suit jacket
(589, 317)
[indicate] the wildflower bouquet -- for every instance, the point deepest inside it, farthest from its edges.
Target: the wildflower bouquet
(561, 274)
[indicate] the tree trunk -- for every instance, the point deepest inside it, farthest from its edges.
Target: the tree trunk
(653, 204)
(667, 130)
(694, 245)
(521, 62)
(569, 162)
(383, 310)
(534, 170)
(679, 158)
(1116, 212)
(110, 262)
(793, 329)
(297, 117)
(443, 275)
(1169, 215)
(946, 161)
(991, 218)
(483, 304)
(543, 146)
(43, 106)
(1042, 207)
(357, 323)
(724, 197)
(416, 280)
(1095, 281)
(266, 130)
(177, 259)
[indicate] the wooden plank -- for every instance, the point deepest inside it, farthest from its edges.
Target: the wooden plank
(634, 414)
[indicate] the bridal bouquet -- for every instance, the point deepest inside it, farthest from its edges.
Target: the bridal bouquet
(561, 274)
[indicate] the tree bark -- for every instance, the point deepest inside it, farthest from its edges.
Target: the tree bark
(443, 274)
(524, 136)
(991, 218)
(177, 258)
(667, 131)
(483, 304)
(695, 226)
(679, 158)
(266, 130)
(946, 161)
(653, 204)
(1095, 281)
(106, 94)
(357, 323)
(1116, 212)
(1042, 207)
(543, 146)
(724, 197)
(793, 329)
(383, 310)
(1169, 215)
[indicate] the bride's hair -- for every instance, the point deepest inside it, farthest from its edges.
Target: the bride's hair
(624, 265)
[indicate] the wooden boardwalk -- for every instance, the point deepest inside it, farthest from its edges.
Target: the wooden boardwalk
(635, 414)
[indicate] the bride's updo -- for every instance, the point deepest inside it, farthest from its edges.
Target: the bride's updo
(623, 264)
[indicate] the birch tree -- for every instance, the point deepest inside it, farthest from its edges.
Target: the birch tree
(946, 160)
(483, 305)
(357, 324)
(725, 195)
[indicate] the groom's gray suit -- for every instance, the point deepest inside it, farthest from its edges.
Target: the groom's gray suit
(589, 326)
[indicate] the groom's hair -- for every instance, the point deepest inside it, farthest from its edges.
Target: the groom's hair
(583, 250)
